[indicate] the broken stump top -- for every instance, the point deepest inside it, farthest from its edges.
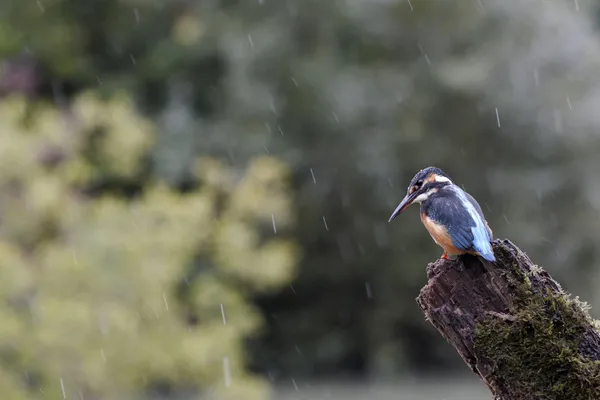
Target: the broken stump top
(514, 326)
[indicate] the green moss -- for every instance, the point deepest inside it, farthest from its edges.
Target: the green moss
(538, 354)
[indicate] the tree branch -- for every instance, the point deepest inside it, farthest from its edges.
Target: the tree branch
(514, 326)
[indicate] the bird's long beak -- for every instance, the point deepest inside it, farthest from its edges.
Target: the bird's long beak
(406, 201)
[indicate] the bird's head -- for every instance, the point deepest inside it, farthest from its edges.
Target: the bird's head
(426, 182)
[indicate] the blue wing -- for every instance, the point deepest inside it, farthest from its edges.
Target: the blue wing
(462, 216)
(480, 212)
(481, 232)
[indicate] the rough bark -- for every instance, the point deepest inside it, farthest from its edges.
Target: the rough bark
(514, 326)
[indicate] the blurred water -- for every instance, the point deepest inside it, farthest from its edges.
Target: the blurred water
(438, 389)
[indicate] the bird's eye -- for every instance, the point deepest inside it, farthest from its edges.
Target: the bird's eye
(416, 186)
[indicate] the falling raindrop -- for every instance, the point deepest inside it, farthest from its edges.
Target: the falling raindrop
(295, 82)
(498, 117)
(223, 314)
(325, 222)
(569, 103)
(250, 41)
(424, 54)
(295, 386)
(369, 291)
(62, 388)
(273, 221)
(411, 6)
(102, 355)
(313, 175)
(165, 299)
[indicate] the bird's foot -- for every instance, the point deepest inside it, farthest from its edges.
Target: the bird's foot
(450, 257)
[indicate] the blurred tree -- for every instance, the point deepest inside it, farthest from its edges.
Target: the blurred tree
(108, 292)
(355, 97)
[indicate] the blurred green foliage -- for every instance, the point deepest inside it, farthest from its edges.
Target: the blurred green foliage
(101, 291)
(354, 97)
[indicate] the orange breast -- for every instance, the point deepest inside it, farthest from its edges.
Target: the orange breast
(440, 235)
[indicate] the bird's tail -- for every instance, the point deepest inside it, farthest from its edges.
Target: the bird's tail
(489, 255)
(482, 243)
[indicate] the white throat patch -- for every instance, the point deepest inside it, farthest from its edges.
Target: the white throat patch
(424, 196)
(439, 178)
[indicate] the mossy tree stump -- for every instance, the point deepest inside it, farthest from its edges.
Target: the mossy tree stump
(514, 326)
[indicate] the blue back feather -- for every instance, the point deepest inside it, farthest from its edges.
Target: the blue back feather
(481, 235)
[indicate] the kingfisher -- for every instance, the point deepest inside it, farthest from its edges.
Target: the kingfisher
(452, 216)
